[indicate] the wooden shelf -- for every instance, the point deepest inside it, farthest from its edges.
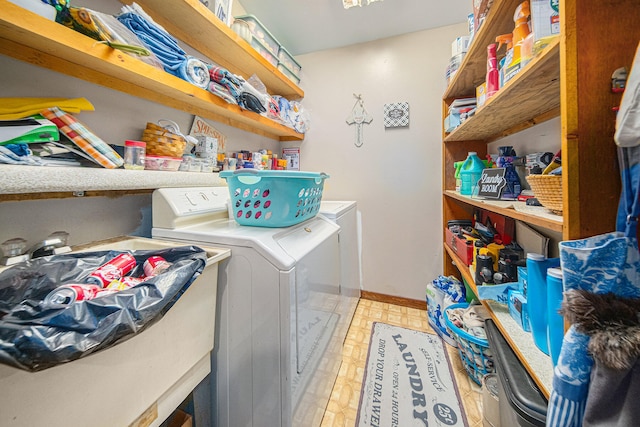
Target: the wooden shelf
(217, 41)
(499, 20)
(532, 96)
(537, 363)
(31, 38)
(537, 217)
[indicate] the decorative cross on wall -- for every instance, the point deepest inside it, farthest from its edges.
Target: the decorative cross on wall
(359, 116)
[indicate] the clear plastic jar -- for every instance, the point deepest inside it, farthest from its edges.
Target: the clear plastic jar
(134, 154)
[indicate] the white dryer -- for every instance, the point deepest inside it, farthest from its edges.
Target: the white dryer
(277, 309)
(345, 214)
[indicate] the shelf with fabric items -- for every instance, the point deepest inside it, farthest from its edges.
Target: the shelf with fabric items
(218, 42)
(28, 37)
(537, 363)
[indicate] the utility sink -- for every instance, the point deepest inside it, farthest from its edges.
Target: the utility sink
(137, 382)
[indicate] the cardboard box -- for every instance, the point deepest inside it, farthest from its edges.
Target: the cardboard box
(462, 247)
(481, 94)
(480, 11)
(545, 20)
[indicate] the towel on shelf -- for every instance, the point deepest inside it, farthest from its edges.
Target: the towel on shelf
(18, 108)
(84, 138)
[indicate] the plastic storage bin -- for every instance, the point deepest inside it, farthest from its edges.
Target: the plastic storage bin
(266, 198)
(473, 351)
(263, 51)
(521, 402)
(288, 61)
(261, 33)
(288, 73)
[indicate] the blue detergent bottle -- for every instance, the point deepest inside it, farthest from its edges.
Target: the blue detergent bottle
(537, 266)
(556, 321)
(470, 174)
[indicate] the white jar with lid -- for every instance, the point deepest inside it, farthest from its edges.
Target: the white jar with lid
(134, 154)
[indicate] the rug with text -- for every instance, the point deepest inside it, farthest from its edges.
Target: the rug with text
(408, 381)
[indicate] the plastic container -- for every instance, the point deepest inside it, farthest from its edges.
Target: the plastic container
(162, 163)
(470, 173)
(555, 319)
(537, 266)
(288, 61)
(242, 29)
(267, 198)
(490, 401)
(290, 75)
(134, 154)
(473, 351)
(522, 404)
(263, 51)
(261, 33)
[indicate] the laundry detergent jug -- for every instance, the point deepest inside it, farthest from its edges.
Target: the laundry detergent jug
(470, 174)
(555, 319)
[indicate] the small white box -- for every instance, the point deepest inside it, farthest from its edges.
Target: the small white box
(207, 146)
(459, 45)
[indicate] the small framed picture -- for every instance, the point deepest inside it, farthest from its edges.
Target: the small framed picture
(396, 115)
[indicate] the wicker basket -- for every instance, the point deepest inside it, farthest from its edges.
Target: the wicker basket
(161, 142)
(548, 191)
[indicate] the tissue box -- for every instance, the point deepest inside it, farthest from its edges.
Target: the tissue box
(519, 310)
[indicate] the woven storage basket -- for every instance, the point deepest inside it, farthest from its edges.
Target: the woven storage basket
(548, 191)
(161, 142)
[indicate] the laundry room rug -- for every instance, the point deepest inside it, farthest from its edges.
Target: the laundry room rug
(408, 381)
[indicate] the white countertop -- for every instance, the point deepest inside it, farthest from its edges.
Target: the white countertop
(17, 179)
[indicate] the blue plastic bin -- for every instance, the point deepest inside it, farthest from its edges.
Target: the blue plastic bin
(266, 198)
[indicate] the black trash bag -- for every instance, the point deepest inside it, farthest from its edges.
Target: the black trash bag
(35, 335)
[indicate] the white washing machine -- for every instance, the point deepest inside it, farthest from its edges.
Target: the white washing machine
(277, 309)
(345, 215)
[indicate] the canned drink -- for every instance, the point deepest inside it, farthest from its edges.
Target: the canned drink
(155, 265)
(70, 293)
(112, 270)
(125, 283)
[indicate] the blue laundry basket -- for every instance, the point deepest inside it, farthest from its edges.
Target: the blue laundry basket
(474, 352)
(268, 198)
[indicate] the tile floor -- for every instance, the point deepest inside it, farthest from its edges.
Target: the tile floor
(342, 409)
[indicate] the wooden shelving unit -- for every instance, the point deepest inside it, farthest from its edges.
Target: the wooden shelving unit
(570, 78)
(31, 38)
(538, 366)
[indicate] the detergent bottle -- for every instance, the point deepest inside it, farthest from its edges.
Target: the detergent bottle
(493, 75)
(470, 173)
(458, 167)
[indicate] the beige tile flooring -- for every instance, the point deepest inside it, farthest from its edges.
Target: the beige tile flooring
(342, 409)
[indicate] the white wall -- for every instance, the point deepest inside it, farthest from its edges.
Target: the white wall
(396, 175)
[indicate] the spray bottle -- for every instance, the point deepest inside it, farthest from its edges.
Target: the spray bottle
(507, 40)
(493, 75)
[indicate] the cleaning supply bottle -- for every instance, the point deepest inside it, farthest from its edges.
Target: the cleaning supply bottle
(537, 297)
(470, 173)
(493, 75)
(505, 62)
(458, 167)
(556, 321)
